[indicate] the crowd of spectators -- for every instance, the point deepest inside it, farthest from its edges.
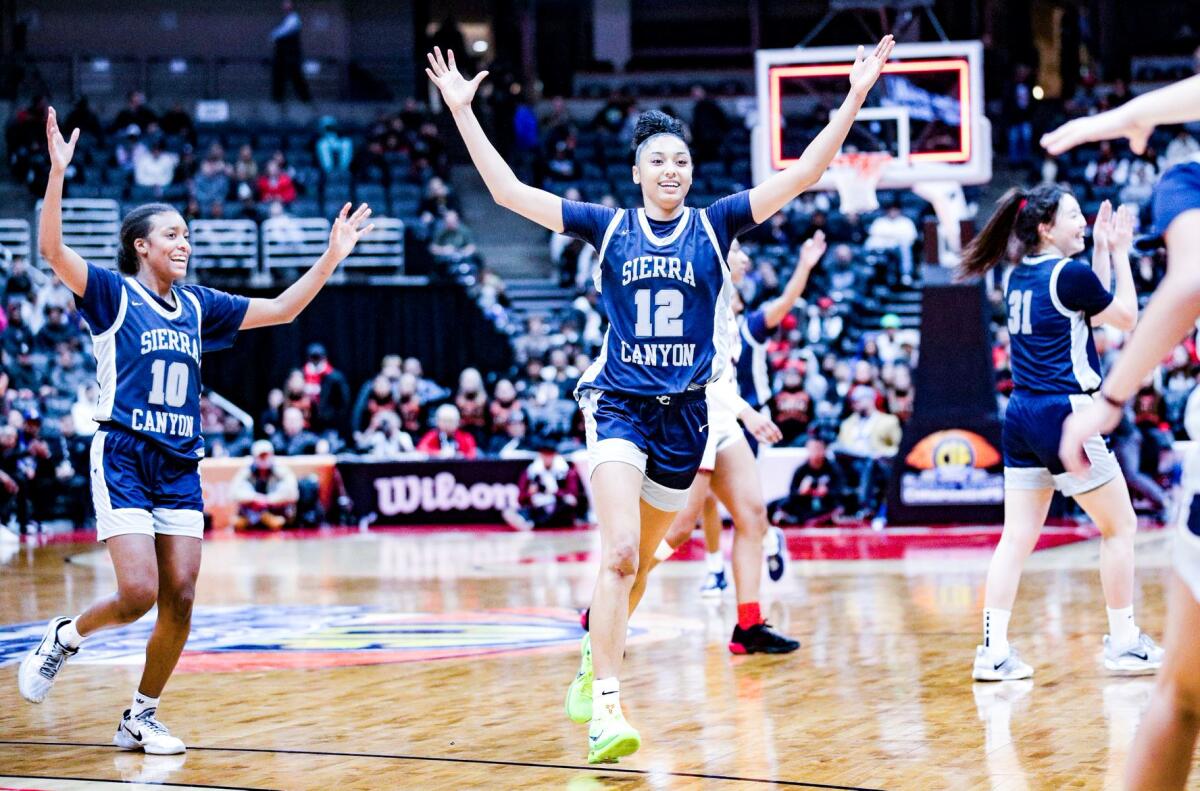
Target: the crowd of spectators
(841, 367)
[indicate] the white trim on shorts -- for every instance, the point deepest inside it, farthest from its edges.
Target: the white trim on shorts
(723, 431)
(616, 449)
(1104, 467)
(126, 521)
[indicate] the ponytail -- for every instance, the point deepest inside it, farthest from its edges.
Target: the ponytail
(1019, 213)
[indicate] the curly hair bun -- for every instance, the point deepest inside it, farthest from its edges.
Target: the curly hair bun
(655, 122)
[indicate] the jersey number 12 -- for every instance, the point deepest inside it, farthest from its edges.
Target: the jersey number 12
(667, 322)
(169, 384)
(1019, 322)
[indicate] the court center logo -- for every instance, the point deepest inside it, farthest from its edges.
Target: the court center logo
(309, 637)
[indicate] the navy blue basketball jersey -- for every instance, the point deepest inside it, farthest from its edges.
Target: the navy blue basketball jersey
(148, 354)
(753, 374)
(1051, 301)
(666, 291)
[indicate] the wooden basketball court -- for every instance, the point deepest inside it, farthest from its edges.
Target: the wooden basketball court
(439, 660)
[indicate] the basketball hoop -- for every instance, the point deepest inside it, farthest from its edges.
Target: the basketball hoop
(857, 174)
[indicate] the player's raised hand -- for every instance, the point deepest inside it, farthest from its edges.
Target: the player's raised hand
(1102, 126)
(1102, 228)
(812, 251)
(867, 68)
(348, 229)
(457, 90)
(61, 150)
(1122, 229)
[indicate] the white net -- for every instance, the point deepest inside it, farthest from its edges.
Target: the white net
(856, 175)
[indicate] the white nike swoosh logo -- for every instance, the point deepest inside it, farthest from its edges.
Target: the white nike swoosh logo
(137, 304)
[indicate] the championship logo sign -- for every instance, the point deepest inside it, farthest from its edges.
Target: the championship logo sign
(952, 467)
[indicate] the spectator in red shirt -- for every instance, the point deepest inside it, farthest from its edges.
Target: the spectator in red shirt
(447, 440)
(275, 185)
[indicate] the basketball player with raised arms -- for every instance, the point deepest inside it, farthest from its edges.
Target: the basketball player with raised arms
(729, 470)
(148, 333)
(665, 288)
(1053, 303)
(1161, 757)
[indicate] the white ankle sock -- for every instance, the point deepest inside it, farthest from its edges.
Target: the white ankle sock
(141, 703)
(995, 631)
(664, 550)
(1122, 629)
(714, 561)
(606, 697)
(68, 635)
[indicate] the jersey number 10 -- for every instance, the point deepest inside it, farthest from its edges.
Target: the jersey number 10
(667, 322)
(1019, 322)
(169, 385)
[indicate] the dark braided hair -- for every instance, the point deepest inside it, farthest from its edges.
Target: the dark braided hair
(136, 225)
(1019, 213)
(651, 124)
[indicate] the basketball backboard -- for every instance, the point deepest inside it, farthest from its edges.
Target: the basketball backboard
(926, 111)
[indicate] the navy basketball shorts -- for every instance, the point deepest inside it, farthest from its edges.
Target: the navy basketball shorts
(137, 487)
(663, 437)
(1178, 191)
(1032, 432)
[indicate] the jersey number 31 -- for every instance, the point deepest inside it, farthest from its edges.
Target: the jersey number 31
(169, 385)
(1019, 322)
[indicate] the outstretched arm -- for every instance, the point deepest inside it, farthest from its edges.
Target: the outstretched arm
(810, 255)
(542, 207)
(65, 262)
(1136, 119)
(284, 308)
(774, 193)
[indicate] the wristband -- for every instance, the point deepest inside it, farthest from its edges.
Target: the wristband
(1112, 401)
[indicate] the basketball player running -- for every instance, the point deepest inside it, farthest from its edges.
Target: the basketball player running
(1053, 303)
(665, 289)
(729, 469)
(148, 332)
(1162, 752)
(754, 390)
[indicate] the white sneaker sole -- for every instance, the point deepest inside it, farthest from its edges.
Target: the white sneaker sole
(126, 742)
(1146, 669)
(987, 674)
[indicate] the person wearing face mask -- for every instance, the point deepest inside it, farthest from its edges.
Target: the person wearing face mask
(792, 406)
(471, 400)
(265, 491)
(329, 391)
(447, 440)
(551, 493)
(866, 442)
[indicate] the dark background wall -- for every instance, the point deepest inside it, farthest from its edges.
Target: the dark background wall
(439, 324)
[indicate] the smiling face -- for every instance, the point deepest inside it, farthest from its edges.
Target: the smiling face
(664, 171)
(165, 249)
(1066, 232)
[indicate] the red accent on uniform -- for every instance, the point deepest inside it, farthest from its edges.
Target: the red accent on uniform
(749, 615)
